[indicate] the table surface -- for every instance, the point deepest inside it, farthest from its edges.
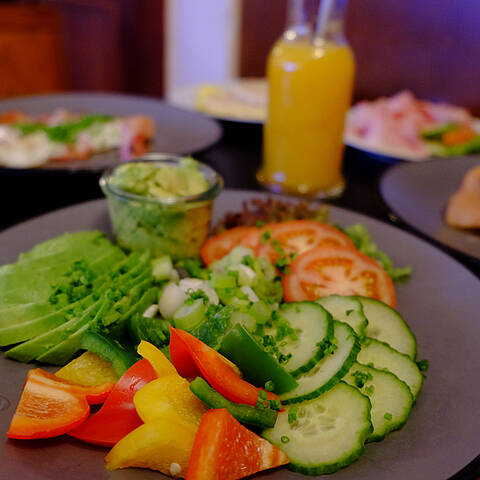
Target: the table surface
(237, 156)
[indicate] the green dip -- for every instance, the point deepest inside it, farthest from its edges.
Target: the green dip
(163, 206)
(166, 181)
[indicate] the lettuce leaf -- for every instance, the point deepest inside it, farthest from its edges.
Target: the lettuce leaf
(363, 241)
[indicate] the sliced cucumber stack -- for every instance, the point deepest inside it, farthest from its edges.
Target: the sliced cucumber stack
(387, 325)
(346, 309)
(330, 369)
(313, 327)
(324, 434)
(390, 397)
(380, 355)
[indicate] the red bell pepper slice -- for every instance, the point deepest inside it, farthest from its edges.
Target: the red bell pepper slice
(49, 406)
(93, 394)
(118, 416)
(190, 355)
(223, 448)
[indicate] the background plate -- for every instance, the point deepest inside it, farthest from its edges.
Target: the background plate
(177, 131)
(418, 194)
(184, 97)
(440, 303)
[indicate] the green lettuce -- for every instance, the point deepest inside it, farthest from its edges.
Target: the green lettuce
(363, 241)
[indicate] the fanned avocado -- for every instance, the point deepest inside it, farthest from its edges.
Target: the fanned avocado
(106, 317)
(51, 329)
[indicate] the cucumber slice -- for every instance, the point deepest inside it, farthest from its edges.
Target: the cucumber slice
(382, 356)
(346, 309)
(330, 369)
(328, 432)
(390, 397)
(387, 325)
(313, 325)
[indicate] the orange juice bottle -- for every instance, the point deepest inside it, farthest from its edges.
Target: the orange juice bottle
(310, 80)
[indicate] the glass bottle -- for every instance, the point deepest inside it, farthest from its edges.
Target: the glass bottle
(310, 72)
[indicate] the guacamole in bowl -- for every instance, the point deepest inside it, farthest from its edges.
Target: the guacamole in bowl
(161, 203)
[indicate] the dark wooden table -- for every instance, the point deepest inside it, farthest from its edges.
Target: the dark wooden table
(25, 194)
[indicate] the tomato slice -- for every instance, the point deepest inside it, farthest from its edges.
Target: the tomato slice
(298, 236)
(218, 246)
(223, 448)
(324, 271)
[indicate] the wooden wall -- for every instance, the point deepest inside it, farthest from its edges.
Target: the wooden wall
(111, 45)
(431, 47)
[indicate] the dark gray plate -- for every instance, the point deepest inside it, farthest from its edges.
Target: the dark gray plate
(440, 303)
(418, 194)
(177, 131)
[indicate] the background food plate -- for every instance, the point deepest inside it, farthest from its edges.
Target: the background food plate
(418, 194)
(185, 97)
(176, 131)
(440, 303)
(390, 156)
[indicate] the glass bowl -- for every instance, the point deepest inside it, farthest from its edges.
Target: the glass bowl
(177, 225)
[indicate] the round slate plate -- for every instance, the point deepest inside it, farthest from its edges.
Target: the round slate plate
(440, 303)
(177, 131)
(418, 194)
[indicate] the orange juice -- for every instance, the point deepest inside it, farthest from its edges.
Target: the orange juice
(310, 92)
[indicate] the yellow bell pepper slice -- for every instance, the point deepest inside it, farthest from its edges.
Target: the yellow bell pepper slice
(162, 444)
(88, 369)
(160, 363)
(171, 392)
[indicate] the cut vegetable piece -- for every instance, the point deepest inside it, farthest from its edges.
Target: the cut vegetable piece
(158, 444)
(382, 356)
(47, 408)
(312, 326)
(326, 433)
(246, 414)
(390, 397)
(121, 358)
(118, 416)
(190, 316)
(341, 353)
(192, 358)
(346, 309)
(258, 366)
(387, 325)
(35, 347)
(218, 246)
(226, 450)
(168, 393)
(88, 369)
(324, 271)
(160, 363)
(298, 236)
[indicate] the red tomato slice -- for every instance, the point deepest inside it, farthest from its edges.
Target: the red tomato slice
(218, 246)
(223, 448)
(298, 236)
(324, 271)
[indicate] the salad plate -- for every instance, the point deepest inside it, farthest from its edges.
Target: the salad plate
(176, 130)
(418, 194)
(440, 302)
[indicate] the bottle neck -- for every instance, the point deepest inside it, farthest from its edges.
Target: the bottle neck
(298, 21)
(319, 20)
